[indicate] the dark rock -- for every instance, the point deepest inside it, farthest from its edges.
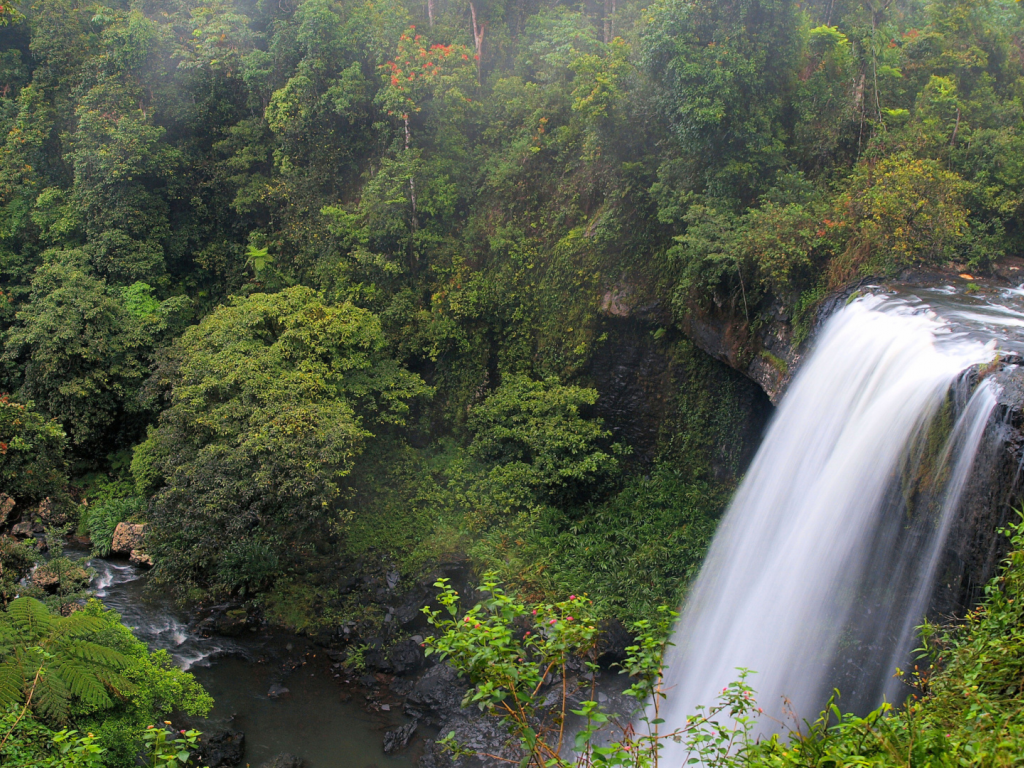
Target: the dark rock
(612, 643)
(405, 657)
(439, 690)
(221, 748)
(277, 690)
(377, 660)
(410, 609)
(284, 760)
(224, 620)
(640, 378)
(398, 738)
(401, 686)
(368, 681)
(478, 732)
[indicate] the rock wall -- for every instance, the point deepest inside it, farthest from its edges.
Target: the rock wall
(659, 392)
(974, 547)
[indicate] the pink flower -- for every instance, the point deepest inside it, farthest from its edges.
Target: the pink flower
(551, 622)
(572, 597)
(568, 618)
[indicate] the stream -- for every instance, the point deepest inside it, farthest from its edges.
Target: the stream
(309, 718)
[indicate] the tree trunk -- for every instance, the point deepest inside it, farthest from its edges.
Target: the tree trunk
(478, 40)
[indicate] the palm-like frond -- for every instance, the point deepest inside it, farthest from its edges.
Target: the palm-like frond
(51, 697)
(30, 618)
(57, 660)
(81, 682)
(12, 683)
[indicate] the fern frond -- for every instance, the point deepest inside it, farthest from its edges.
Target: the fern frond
(12, 684)
(82, 682)
(116, 683)
(77, 625)
(30, 618)
(95, 653)
(52, 699)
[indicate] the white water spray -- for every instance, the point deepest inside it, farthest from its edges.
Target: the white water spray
(824, 562)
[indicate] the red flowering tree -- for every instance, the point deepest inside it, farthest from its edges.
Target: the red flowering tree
(421, 72)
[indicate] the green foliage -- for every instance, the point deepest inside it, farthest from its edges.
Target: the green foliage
(967, 711)
(77, 349)
(272, 398)
(27, 743)
(506, 650)
(532, 437)
(631, 553)
(53, 663)
(103, 518)
(33, 453)
(164, 752)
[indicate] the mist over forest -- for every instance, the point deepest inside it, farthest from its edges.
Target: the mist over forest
(319, 297)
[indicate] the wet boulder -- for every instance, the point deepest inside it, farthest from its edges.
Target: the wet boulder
(26, 529)
(398, 738)
(52, 513)
(405, 657)
(127, 536)
(50, 576)
(140, 559)
(221, 748)
(439, 690)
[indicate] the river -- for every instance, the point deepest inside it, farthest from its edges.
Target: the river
(312, 720)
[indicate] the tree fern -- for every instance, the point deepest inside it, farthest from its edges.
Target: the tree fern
(52, 661)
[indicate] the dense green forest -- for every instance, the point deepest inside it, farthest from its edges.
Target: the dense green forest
(313, 285)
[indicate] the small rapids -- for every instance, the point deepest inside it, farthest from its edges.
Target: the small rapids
(825, 561)
(119, 586)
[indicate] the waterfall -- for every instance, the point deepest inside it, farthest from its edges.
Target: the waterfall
(823, 564)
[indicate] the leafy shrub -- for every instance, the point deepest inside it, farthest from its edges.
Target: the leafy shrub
(27, 743)
(32, 453)
(534, 435)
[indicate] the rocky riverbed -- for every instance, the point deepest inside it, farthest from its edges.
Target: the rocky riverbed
(339, 700)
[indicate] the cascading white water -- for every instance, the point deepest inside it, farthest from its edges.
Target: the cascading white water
(823, 564)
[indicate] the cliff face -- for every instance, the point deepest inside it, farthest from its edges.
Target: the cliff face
(974, 547)
(662, 395)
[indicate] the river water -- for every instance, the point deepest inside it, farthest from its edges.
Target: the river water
(310, 721)
(825, 561)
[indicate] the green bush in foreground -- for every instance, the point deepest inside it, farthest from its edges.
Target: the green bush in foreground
(86, 672)
(969, 710)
